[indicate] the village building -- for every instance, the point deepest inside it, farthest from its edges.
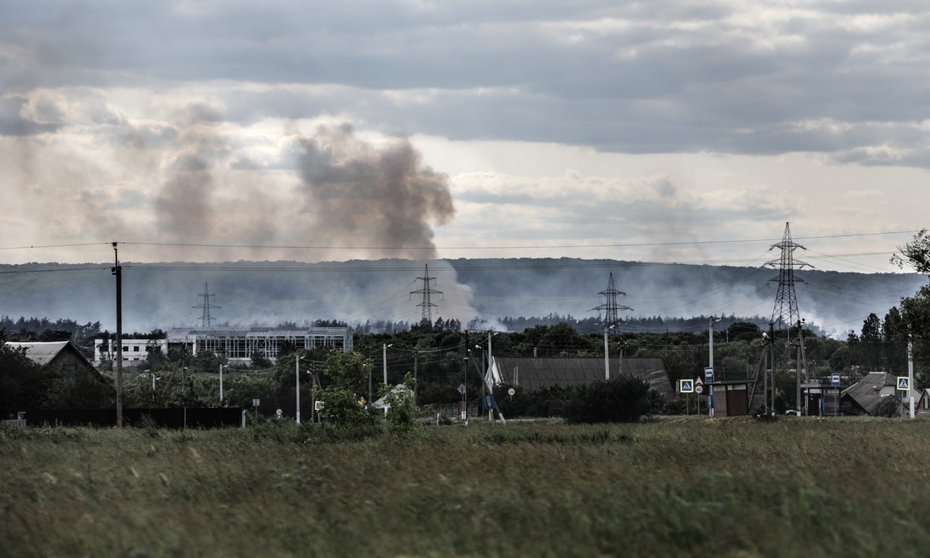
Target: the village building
(56, 354)
(865, 395)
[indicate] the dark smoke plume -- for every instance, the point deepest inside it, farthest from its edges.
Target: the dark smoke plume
(184, 206)
(372, 198)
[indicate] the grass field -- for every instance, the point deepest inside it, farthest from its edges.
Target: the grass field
(673, 488)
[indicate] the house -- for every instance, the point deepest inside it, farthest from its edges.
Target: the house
(56, 354)
(864, 396)
(537, 373)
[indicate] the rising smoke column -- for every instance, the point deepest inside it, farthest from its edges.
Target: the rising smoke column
(370, 197)
(184, 207)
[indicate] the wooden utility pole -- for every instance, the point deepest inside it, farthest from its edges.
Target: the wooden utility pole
(117, 270)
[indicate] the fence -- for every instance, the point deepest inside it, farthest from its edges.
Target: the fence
(454, 410)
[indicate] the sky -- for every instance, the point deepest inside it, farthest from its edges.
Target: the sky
(665, 131)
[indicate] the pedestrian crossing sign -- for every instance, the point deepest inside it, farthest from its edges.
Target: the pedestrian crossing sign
(686, 386)
(904, 383)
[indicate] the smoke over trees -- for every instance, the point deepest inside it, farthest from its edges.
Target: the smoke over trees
(379, 198)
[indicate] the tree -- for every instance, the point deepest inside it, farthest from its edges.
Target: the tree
(870, 343)
(402, 406)
(915, 312)
(22, 382)
(348, 376)
(915, 253)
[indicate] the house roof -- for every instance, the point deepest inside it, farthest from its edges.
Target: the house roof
(41, 353)
(44, 352)
(537, 373)
(870, 390)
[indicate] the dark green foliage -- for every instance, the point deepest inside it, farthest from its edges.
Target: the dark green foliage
(620, 399)
(342, 397)
(24, 385)
(402, 411)
(888, 407)
(22, 382)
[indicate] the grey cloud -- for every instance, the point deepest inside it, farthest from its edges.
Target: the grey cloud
(13, 124)
(677, 76)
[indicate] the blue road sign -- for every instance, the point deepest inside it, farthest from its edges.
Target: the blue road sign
(686, 386)
(904, 383)
(708, 374)
(835, 380)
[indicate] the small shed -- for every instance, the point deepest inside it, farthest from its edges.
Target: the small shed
(57, 354)
(822, 398)
(730, 397)
(537, 373)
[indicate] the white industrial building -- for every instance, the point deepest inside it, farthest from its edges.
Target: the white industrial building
(239, 344)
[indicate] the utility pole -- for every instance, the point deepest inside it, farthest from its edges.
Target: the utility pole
(772, 361)
(710, 360)
(117, 270)
(384, 360)
(765, 372)
(802, 367)
(910, 372)
(221, 384)
(297, 360)
(465, 383)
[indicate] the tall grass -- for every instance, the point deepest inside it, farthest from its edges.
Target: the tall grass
(684, 488)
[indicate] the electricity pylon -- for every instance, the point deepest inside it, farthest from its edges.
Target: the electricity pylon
(611, 318)
(785, 314)
(426, 307)
(206, 321)
(610, 307)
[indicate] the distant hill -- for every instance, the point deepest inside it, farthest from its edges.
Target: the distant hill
(247, 293)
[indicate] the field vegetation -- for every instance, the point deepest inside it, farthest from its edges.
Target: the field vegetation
(682, 487)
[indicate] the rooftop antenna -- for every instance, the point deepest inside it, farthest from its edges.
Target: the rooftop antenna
(427, 305)
(785, 314)
(206, 321)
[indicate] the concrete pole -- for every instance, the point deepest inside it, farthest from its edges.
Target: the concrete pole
(297, 380)
(710, 334)
(772, 362)
(606, 356)
(384, 349)
(910, 374)
(221, 384)
(118, 272)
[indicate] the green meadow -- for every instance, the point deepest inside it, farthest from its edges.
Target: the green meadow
(686, 487)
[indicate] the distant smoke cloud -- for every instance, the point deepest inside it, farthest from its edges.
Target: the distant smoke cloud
(184, 206)
(372, 197)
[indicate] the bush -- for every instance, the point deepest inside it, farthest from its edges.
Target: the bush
(888, 407)
(620, 399)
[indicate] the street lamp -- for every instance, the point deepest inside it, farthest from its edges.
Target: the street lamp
(297, 375)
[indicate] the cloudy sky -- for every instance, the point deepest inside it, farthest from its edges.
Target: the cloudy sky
(656, 131)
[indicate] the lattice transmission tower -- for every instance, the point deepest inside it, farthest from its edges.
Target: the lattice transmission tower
(426, 307)
(206, 321)
(785, 314)
(610, 307)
